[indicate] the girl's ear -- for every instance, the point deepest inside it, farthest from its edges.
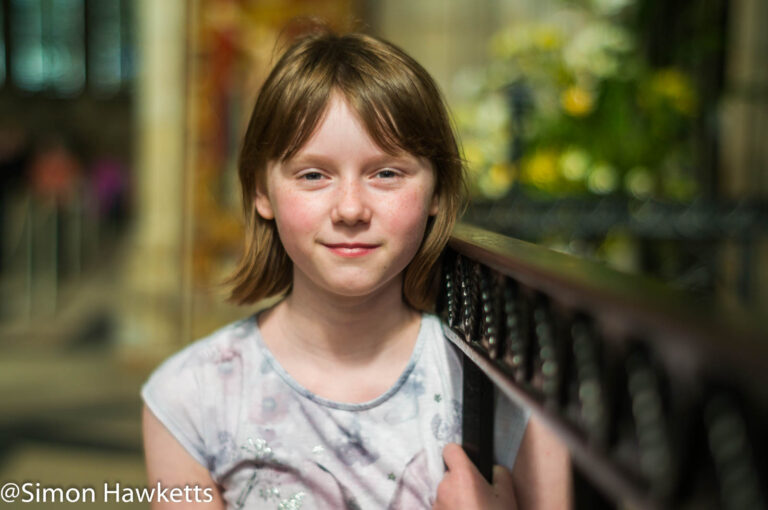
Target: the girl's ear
(263, 205)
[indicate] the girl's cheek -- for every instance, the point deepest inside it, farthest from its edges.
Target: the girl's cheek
(408, 210)
(295, 211)
(294, 230)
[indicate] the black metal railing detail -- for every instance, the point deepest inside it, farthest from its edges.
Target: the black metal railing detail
(515, 332)
(633, 389)
(468, 281)
(650, 424)
(733, 458)
(489, 301)
(593, 407)
(547, 366)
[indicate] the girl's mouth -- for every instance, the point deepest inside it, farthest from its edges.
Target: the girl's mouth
(351, 249)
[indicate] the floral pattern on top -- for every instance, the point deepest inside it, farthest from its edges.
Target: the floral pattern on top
(271, 443)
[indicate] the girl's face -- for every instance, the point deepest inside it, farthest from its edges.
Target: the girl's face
(350, 216)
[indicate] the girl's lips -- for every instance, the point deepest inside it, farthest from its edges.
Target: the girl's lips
(351, 249)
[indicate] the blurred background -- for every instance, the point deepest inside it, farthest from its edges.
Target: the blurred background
(630, 132)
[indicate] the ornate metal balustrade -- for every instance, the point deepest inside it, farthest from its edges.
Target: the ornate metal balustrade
(662, 404)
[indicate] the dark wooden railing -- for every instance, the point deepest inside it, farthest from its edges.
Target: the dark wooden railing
(662, 402)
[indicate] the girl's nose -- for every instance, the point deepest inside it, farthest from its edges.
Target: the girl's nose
(351, 207)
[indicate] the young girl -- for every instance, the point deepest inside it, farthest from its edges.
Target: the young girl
(345, 394)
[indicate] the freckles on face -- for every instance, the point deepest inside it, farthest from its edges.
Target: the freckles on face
(398, 218)
(341, 192)
(407, 212)
(293, 212)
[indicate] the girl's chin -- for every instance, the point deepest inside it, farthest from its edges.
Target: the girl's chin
(356, 288)
(348, 282)
(353, 292)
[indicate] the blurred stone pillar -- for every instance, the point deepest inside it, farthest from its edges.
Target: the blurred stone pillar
(744, 164)
(745, 106)
(151, 322)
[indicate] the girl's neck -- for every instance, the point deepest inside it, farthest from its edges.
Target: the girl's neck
(341, 329)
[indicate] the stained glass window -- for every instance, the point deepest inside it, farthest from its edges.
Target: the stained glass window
(48, 45)
(65, 45)
(108, 46)
(26, 32)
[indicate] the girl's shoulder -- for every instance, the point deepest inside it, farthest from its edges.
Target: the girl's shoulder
(230, 343)
(198, 385)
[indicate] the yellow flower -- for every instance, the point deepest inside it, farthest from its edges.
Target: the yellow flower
(676, 87)
(501, 175)
(547, 38)
(497, 181)
(541, 167)
(516, 41)
(574, 164)
(577, 101)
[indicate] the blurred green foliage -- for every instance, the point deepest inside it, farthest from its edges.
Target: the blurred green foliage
(591, 115)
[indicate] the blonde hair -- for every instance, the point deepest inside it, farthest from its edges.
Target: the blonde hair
(402, 110)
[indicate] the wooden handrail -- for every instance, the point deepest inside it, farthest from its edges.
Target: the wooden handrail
(660, 400)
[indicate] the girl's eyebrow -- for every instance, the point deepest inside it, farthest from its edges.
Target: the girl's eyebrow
(309, 160)
(323, 161)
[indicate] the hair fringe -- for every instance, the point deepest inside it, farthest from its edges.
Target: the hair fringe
(402, 109)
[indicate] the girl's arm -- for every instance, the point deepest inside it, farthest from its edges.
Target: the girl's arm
(169, 464)
(542, 471)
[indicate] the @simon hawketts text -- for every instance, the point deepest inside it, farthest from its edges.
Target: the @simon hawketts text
(109, 492)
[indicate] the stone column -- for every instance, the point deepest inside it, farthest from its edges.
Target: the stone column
(745, 105)
(153, 277)
(744, 165)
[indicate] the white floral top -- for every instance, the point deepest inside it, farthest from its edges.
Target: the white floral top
(272, 444)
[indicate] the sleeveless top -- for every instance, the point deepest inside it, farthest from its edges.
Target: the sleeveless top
(271, 443)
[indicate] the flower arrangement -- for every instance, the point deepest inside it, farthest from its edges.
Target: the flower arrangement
(568, 105)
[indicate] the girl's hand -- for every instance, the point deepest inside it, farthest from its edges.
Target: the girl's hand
(464, 488)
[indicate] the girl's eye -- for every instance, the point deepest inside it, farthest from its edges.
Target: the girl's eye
(386, 174)
(312, 176)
